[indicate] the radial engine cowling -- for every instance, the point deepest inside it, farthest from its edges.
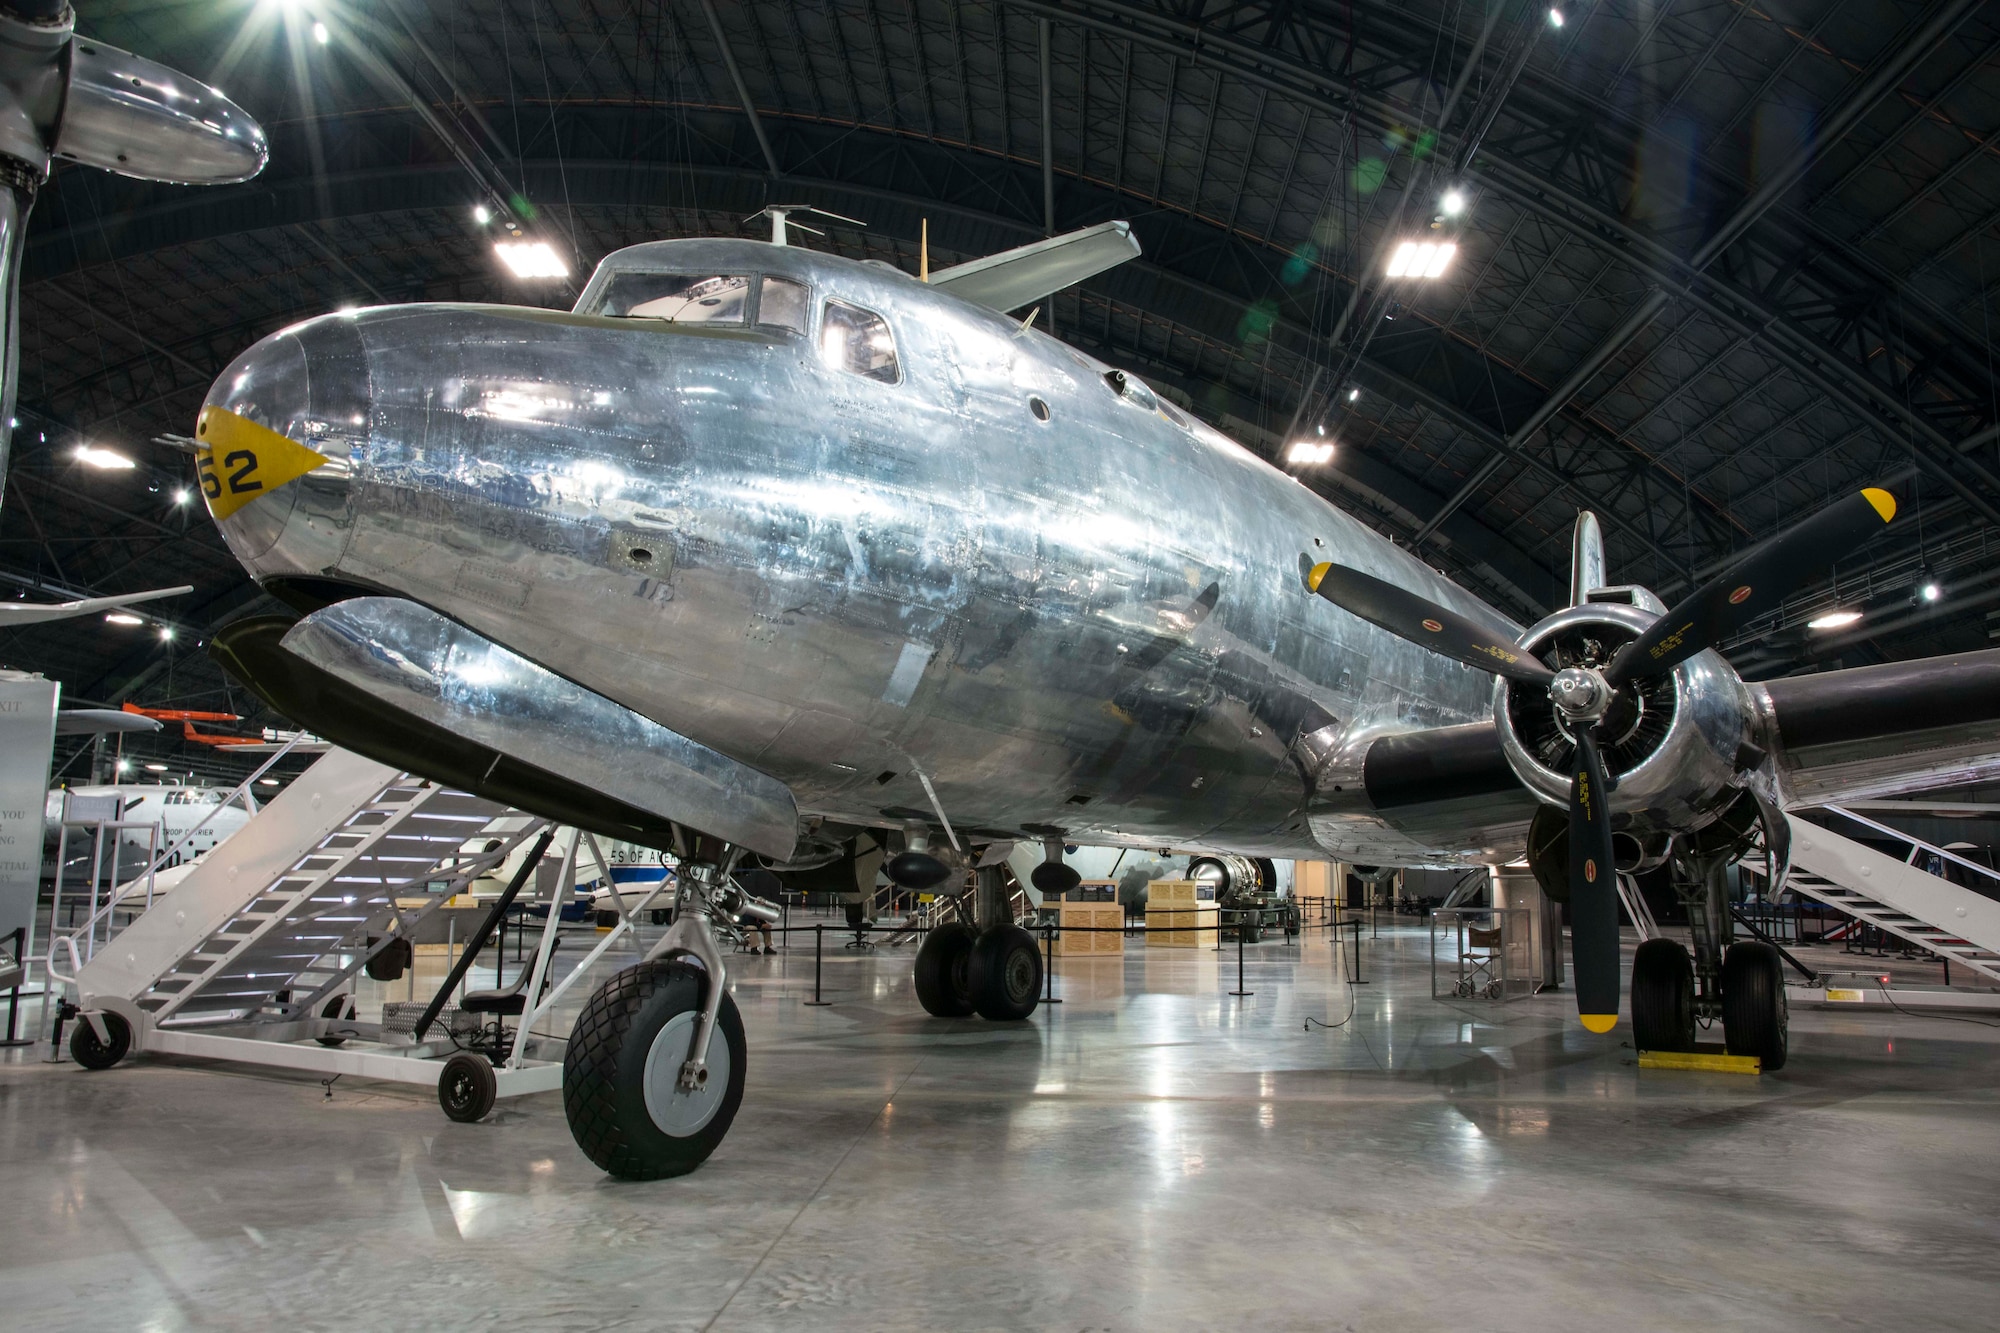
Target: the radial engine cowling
(1674, 745)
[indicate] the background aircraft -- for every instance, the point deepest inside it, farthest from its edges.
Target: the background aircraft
(766, 552)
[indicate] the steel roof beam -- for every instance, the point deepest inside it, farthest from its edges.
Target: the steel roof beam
(742, 90)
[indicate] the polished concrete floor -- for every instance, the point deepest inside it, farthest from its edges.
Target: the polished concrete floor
(1153, 1153)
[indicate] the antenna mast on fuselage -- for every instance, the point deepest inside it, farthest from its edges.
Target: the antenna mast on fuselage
(778, 213)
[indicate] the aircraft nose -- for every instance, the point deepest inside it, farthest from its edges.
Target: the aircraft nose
(278, 434)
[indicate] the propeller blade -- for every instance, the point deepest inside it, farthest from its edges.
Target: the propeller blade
(1409, 616)
(1753, 585)
(1593, 897)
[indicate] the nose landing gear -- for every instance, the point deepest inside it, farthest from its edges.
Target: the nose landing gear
(654, 1070)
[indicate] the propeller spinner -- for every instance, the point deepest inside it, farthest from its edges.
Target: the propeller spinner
(1583, 695)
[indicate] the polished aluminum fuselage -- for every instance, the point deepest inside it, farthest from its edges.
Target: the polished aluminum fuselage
(1094, 622)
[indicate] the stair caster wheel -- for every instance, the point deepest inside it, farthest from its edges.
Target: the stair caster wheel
(621, 1074)
(1755, 1020)
(339, 1009)
(1004, 974)
(467, 1088)
(1662, 997)
(88, 1050)
(942, 961)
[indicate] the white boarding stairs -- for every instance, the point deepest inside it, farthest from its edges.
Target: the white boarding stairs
(1933, 913)
(290, 902)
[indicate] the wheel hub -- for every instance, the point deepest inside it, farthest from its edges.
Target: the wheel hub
(679, 1110)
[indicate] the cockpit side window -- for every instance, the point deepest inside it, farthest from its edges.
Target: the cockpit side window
(784, 304)
(677, 298)
(858, 341)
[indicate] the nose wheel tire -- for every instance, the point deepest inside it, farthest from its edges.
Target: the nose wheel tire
(621, 1073)
(1662, 997)
(1004, 973)
(942, 961)
(1754, 1016)
(467, 1088)
(87, 1050)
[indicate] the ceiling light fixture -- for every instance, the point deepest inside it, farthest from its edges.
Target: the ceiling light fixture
(1834, 620)
(1354, 395)
(166, 634)
(1310, 452)
(1421, 259)
(156, 768)
(123, 618)
(1931, 591)
(1453, 203)
(531, 259)
(183, 495)
(1555, 18)
(481, 214)
(267, 782)
(107, 459)
(321, 35)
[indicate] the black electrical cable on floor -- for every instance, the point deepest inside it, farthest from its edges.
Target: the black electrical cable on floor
(1312, 1022)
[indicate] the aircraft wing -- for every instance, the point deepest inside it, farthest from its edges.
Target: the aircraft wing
(33, 613)
(1013, 278)
(95, 721)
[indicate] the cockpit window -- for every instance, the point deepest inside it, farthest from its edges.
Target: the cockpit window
(678, 298)
(783, 304)
(858, 341)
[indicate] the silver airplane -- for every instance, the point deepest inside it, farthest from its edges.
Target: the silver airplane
(760, 552)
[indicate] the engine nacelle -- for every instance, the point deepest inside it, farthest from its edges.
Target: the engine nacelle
(1674, 745)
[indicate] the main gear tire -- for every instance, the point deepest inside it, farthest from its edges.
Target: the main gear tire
(88, 1050)
(621, 1073)
(1755, 1019)
(943, 988)
(1004, 974)
(1662, 997)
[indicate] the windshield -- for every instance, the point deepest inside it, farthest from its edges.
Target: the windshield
(680, 298)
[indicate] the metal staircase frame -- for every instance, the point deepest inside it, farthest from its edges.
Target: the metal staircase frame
(1949, 920)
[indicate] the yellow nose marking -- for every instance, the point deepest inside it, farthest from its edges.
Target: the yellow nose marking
(239, 460)
(1599, 1022)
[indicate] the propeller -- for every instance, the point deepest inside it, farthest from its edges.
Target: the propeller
(1411, 617)
(1753, 585)
(1750, 586)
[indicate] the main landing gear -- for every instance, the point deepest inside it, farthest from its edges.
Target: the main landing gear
(995, 973)
(994, 970)
(1741, 982)
(654, 1070)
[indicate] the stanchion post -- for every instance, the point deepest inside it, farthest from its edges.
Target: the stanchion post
(819, 942)
(1049, 962)
(1239, 991)
(20, 938)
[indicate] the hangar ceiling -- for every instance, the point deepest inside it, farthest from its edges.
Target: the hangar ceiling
(1718, 261)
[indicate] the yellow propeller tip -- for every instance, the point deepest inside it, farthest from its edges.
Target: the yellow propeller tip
(1884, 503)
(1318, 573)
(1599, 1022)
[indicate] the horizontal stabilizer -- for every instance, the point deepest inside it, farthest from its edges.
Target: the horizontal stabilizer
(1013, 278)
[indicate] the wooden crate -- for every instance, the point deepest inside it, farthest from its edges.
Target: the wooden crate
(1163, 892)
(1106, 917)
(1190, 925)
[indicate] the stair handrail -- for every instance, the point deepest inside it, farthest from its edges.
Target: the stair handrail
(1918, 843)
(120, 892)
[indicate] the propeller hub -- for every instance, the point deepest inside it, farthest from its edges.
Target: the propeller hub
(1581, 693)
